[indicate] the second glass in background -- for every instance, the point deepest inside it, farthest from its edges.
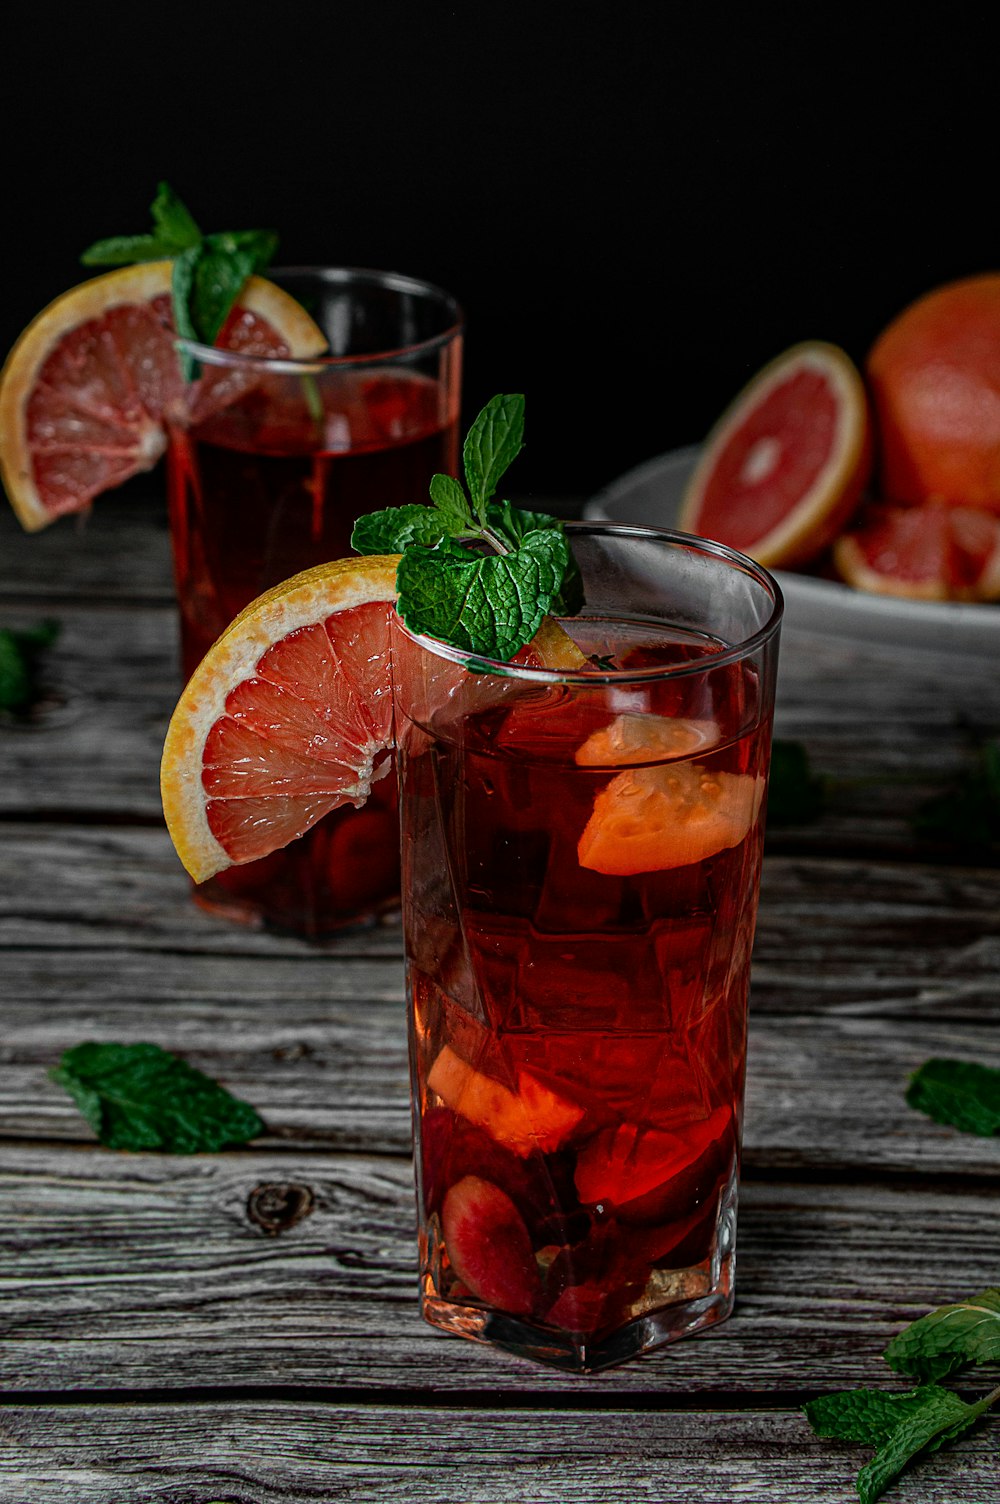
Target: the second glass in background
(279, 461)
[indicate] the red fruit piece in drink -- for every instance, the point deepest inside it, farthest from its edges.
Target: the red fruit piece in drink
(578, 1308)
(649, 1174)
(531, 1119)
(451, 1148)
(488, 1246)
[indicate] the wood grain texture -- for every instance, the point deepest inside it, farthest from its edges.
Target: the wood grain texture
(889, 731)
(315, 1454)
(318, 1046)
(128, 1271)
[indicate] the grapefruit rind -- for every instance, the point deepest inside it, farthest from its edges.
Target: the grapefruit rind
(967, 550)
(307, 598)
(91, 301)
(818, 516)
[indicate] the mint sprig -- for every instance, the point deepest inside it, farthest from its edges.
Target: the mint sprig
(489, 599)
(138, 1096)
(209, 270)
(960, 1093)
(901, 1427)
(20, 654)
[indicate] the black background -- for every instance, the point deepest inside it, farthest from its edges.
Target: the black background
(637, 204)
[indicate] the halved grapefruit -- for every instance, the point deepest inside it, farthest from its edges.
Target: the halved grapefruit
(933, 552)
(934, 374)
(787, 463)
(85, 389)
(289, 715)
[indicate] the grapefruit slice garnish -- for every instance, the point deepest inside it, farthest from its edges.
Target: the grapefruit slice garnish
(289, 715)
(84, 392)
(787, 463)
(655, 819)
(930, 552)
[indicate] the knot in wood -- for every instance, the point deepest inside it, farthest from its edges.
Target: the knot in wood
(276, 1205)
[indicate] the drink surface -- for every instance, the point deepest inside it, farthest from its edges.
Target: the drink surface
(258, 490)
(581, 872)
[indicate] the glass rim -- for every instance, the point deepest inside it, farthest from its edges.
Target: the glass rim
(314, 365)
(594, 678)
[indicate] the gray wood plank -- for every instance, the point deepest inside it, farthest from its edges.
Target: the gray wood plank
(833, 935)
(124, 1272)
(120, 551)
(273, 1453)
(317, 1043)
(887, 728)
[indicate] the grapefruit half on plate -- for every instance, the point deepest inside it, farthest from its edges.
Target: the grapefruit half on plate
(289, 714)
(933, 552)
(787, 463)
(84, 392)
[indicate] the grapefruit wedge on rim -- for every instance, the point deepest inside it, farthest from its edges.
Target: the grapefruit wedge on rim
(788, 461)
(84, 391)
(289, 715)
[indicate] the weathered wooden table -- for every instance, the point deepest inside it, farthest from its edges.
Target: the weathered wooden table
(160, 1343)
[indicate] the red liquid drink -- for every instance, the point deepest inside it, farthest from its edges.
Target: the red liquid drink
(268, 480)
(581, 870)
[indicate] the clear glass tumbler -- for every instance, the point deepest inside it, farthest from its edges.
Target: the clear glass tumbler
(581, 860)
(266, 475)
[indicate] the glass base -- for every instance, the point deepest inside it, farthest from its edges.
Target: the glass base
(579, 1352)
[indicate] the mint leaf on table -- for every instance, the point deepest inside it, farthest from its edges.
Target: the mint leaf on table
(493, 603)
(960, 1093)
(208, 273)
(899, 1426)
(20, 654)
(138, 1096)
(950, 1338)
(968, 813)
(487, 604)
(795, 794)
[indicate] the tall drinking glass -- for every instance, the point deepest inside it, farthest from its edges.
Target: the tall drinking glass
(581, 861)
(267, 477)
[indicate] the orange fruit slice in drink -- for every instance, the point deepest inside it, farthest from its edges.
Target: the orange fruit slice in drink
(786, 464)
(289, 715)
(632, 738)
(85, 390)
(655, 819)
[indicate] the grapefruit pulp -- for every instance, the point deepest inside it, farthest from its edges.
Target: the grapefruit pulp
(788, 461)
(934, 374)
(933, 552)
(85, 390)
(289, 714)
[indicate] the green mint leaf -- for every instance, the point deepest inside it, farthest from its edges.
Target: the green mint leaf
(20, 654)
(961, 1093)
(901, 1426)
(138, 1096)
(864, 1415)
(486, 604)
(393, 530)
(514, 523)
(942, 1418)
(493, 442)
(967, 814)
(208, 278)
(795, 794)
(452, 503)
(174, 231)
(950, 1338)
(174, 222)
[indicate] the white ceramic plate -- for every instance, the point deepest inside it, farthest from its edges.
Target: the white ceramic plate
(651, 494)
